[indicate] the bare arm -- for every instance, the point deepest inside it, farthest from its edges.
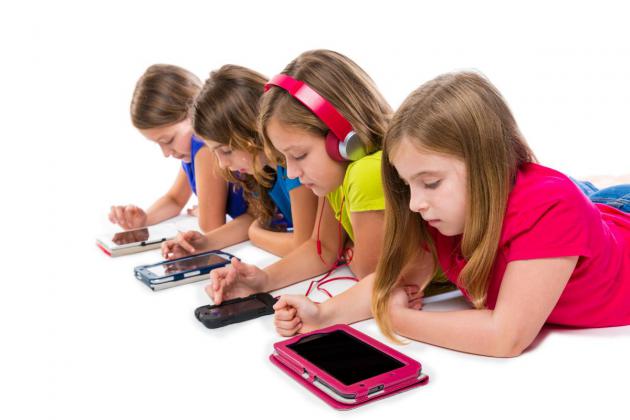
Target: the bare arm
(212, 191)
(303, 212)
(355, 304)
(529, 292)
(171, 203)
(304, 262)
(231, 233)
(368, 227)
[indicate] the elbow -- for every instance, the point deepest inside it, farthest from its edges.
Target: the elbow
(254, 236)
(326, 252)
(509, 344)
(207, 226)
(361, 267)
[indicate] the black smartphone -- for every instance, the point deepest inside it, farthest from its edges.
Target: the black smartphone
(236, 310)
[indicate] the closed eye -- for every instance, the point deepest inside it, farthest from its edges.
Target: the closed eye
(433, 185)
(300, 157)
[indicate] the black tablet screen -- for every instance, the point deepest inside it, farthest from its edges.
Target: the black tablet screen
(345, 357)
(237, 308)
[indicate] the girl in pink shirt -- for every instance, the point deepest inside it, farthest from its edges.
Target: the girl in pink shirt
(522, 242)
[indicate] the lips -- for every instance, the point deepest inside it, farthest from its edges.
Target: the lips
(305, 183)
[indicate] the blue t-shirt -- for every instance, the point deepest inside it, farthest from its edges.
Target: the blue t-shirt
(279, 193)
(236, 204)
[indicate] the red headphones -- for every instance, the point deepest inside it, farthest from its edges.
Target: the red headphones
(342, 143)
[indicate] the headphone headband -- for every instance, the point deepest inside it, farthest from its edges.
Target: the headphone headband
(314, 102)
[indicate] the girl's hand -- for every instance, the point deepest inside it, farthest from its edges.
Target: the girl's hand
(193, 211)
(296, 314)
(184, 244)
(408, 296)
(128, 217)
(235, 280)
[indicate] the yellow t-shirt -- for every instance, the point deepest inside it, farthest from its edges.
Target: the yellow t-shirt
(362, 188)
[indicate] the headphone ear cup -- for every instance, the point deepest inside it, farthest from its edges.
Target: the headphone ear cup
(332, 147)
(353, 148)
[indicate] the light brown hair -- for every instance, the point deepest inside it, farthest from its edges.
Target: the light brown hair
(163, 96)
(226, 112)
(464, 116)
(342, 83)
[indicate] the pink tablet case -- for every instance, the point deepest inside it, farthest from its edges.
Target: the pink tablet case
(396, 386)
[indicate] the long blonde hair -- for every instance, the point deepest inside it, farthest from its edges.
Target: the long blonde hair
(163, 96)
(341, 82)
(464, 116)
(226, 112)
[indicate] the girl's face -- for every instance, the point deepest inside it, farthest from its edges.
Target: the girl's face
(437, 185)
(233, 159)
(306, 158)
(174, 139)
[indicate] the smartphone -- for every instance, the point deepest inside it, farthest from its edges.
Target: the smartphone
(236, 310)
(170, 273)
(135, 240)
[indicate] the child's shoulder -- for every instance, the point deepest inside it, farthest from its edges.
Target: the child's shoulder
(362, 182)
(539, 184)
(366, 166)
(544, 196)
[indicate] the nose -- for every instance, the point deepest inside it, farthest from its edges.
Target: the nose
(293, 171)
(165, 150)
(223, 161)
(417, 201)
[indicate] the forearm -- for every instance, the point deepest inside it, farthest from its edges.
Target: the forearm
(351, 306)
(164, 208)
(301, 264)
(361, 265)
(470, 331)
(231, 233)
(210, 220)
(278, 243)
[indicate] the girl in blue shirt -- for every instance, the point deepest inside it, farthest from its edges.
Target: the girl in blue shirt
(283, 211)
(160, 110)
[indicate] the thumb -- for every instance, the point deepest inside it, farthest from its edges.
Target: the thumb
(240, 267)
(285, 301)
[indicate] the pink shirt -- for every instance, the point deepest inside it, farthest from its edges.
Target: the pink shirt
(548, 216)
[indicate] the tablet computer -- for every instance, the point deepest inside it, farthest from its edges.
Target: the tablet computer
(192, 268)
(345, 367)
(135, 240)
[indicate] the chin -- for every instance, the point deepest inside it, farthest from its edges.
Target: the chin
(446, 231)
(318, 192)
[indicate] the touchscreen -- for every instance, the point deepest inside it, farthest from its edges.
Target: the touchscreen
(236, 308)
(131, 236)
(192, 263)
(345, 357)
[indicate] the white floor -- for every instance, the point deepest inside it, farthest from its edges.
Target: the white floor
(115, 349)
(82, 339)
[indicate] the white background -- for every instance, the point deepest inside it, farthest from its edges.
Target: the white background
(82, 339)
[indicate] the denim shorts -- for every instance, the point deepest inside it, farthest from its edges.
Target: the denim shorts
(617, 196)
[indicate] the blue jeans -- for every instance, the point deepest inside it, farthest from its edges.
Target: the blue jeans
(617, 196)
